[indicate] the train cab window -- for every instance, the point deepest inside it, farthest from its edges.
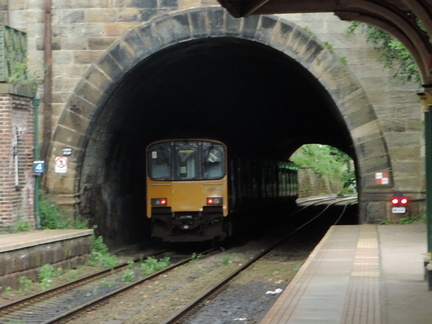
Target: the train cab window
(159, 161)
(213, 164)
(186, 159)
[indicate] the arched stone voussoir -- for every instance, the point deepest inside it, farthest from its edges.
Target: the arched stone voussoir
(266, 29)
(99, 79)
(90, 93)
(283, 32)
(338, 81)
(356, 118)
(125, 55)
(69, 137)
(79, 106)
(75, 121)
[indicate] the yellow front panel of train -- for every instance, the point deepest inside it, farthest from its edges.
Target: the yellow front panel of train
(186, 196)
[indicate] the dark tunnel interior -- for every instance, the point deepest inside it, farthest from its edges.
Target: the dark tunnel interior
(254, 98)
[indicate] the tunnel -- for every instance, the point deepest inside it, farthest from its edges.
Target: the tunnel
(252, 97)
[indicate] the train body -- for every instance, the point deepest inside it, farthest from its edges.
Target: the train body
(194, 191)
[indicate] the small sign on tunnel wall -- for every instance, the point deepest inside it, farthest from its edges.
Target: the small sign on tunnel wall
(61, 163)
(382, 178)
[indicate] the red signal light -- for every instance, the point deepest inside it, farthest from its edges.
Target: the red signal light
(399, 201)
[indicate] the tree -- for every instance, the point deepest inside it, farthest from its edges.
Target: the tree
(327, 161)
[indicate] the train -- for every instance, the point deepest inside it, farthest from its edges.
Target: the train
(195, 190)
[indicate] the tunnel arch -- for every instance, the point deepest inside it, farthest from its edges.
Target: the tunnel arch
(109, 82)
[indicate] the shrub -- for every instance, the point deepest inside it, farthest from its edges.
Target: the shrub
(100, 254)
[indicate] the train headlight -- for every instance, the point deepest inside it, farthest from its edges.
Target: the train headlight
(214, 201)
(159, 202)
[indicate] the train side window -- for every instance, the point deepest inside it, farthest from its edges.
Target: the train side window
(159, 163)
(213, 166)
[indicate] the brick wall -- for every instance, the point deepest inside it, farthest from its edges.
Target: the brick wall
(16, 162)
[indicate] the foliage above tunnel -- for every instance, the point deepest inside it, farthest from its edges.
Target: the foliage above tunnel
(392, 52)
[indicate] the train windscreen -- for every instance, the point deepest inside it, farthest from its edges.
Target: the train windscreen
(186, 160)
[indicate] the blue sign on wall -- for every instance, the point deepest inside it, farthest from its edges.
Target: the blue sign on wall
(38, 167)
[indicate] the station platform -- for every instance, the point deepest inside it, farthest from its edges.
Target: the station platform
(23, 254)
(360, 274)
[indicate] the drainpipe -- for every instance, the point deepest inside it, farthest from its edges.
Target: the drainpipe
(47, 129)
(15, 158)
(36, 157)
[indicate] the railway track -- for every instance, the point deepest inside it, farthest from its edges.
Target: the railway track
(181, 315)
(59, 307)
(65, 301)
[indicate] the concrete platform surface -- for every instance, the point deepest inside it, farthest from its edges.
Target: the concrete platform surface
(15, 241)
(360, 274)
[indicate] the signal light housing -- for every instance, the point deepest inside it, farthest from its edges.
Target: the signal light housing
(398, 201)
(214, 201)
(159, 202)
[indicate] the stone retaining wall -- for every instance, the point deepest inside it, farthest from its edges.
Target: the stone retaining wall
(26, 259)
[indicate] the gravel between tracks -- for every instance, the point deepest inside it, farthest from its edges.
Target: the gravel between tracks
(245, 301)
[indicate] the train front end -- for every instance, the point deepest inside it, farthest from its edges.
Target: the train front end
(187, 190)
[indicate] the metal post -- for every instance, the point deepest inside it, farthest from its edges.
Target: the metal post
(428, 153)
(36, 157)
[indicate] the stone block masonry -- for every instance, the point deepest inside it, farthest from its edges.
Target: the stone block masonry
(16, 162)
(23, 254)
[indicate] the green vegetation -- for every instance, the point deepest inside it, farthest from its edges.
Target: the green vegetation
(24, 284)
(393, 53)
(327, 161)
(227, 259)
(412, 219)
(53, 217)
(46, 274)
(195, 257)
(406, 220)
(23, 75)
(100, 254)
(72, 274)
(128, 275)
(151, 265)
(21, 226)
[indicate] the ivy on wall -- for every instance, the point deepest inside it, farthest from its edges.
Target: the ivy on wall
(392, 52)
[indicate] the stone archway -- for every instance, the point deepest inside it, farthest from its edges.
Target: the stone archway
(77, 125)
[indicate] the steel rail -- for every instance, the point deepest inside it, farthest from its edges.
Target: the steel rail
(34, 298)
(193, 304)
(77, 310)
